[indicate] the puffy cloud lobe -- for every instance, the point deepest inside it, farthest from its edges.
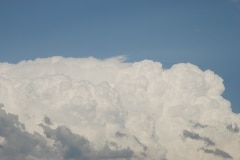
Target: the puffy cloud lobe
(111, 109)
(71, 145)
(17, 143)
(74, 146)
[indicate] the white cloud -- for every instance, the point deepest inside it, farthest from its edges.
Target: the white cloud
(109, 109)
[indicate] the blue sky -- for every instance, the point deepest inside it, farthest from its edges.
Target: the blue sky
(202, 32)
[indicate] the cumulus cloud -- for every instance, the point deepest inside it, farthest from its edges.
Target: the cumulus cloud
(17, 143)
(85, 108)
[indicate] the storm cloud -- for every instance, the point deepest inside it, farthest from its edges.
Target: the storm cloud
(86, 108)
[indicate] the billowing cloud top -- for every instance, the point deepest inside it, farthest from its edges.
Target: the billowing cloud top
(68, 108)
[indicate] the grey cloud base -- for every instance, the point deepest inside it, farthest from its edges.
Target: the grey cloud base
(68, 108)
(18, 144)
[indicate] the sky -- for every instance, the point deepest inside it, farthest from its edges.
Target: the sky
(205, 33)
(119, 79)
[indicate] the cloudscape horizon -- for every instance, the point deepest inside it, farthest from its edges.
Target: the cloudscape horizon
(66, 94)
(87, 108)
